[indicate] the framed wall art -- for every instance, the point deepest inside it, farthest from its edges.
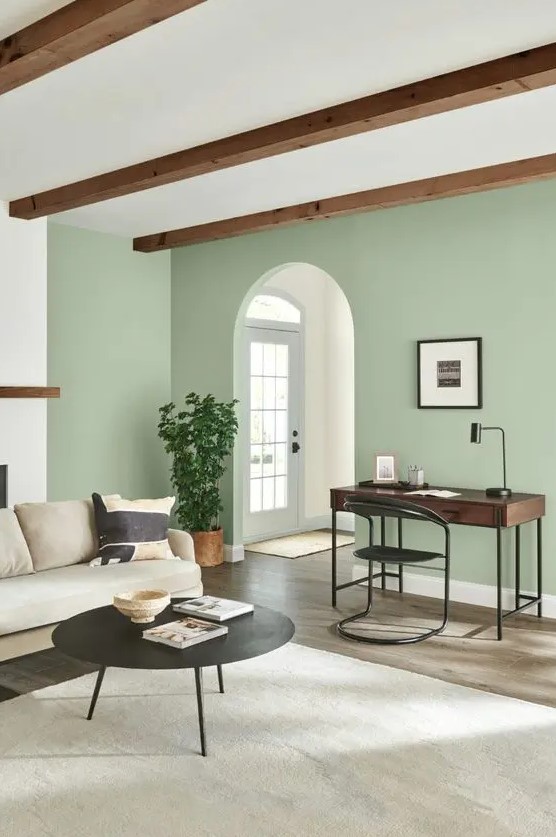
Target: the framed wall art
(449, 373)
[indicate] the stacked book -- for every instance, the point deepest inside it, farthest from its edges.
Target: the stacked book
(183, 633)
(212, 608)
(188, 631)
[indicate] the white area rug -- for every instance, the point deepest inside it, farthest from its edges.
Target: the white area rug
(295, 546)
(302, 743)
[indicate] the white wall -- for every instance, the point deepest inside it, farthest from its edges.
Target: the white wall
(340, 387)
(23, 354)
(328, 439)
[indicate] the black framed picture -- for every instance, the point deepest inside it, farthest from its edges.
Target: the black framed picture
(449, 373)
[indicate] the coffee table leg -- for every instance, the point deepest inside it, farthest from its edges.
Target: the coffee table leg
(94, 699)
(220, 679)
(200, 710)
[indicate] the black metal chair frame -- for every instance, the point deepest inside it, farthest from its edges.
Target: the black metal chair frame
(402, 510)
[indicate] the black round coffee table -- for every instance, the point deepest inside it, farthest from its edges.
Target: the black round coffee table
(105, 637)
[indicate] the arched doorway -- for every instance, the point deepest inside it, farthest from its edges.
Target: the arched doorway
(294, 379)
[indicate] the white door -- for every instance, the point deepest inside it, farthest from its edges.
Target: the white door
(273, 445)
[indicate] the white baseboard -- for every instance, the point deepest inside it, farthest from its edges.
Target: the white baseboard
(233, 552)
(468, 592)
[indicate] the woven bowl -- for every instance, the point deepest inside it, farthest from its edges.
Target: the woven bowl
(142, 605)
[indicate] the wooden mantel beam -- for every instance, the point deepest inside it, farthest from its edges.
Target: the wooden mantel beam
(29, 392)
(486, 82)
(400, 194)
(74, 31)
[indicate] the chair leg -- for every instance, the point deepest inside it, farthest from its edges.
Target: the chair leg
(446, 590)
(342, 631)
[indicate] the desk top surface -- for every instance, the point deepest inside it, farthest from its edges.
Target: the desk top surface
(465, 495)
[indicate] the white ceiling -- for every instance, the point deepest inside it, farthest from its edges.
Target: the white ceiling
(16, 14)
(465, 139)
(230, 65)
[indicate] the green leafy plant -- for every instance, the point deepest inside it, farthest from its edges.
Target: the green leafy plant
(198, 438)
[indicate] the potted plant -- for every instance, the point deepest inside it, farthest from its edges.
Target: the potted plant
(199, 438)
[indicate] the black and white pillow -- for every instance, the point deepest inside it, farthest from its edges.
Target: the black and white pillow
(131, 530)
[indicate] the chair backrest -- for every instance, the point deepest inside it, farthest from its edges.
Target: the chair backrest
(391, 507)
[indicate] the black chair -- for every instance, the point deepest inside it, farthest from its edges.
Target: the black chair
(390, 507)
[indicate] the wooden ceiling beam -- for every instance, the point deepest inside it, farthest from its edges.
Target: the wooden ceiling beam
(74, 31)
(481, 83)
(386, 197)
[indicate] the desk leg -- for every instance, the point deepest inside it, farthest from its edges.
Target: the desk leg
(517, 565)
(539, 566)
(334, 578)
(400, 566)
(499, 582)
(383, 543)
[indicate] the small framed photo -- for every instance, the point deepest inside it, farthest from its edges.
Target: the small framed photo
(385, 468)
(449, 373)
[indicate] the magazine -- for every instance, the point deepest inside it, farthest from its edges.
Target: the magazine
(435, 492)
(215, 609)
(184, 632)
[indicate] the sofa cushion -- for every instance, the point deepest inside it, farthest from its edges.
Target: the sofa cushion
(58, 534)
(181, 544)
(132, 530)
(48, 597)
(15, 558)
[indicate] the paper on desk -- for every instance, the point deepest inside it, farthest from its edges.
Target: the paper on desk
(435, 492)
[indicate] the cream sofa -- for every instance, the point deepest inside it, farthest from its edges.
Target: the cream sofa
(45, 575)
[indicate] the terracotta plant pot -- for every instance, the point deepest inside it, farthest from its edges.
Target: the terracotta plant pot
(209, 547)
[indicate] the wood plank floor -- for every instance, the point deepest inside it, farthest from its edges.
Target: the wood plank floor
(523, 665)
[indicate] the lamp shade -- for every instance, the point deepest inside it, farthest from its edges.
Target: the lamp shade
(476, 429)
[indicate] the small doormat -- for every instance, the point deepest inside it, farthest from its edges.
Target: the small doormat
(296, 546)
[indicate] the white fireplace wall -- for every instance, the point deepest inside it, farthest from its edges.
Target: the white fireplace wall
(23, 354)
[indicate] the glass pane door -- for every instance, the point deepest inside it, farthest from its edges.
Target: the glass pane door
(271, 495)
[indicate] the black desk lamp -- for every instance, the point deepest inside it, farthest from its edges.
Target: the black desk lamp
(476, 431)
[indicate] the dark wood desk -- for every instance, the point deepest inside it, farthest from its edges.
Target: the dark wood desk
(470, 508)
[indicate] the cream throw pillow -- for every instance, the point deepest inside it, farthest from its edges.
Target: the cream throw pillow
(59, 534)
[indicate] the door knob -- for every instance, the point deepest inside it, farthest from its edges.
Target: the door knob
(295, 447)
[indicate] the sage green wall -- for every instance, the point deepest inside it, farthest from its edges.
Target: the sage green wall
(480, 265)
(109, 350)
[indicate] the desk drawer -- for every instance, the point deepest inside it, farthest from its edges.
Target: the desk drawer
(472, 514)
(453, 510)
